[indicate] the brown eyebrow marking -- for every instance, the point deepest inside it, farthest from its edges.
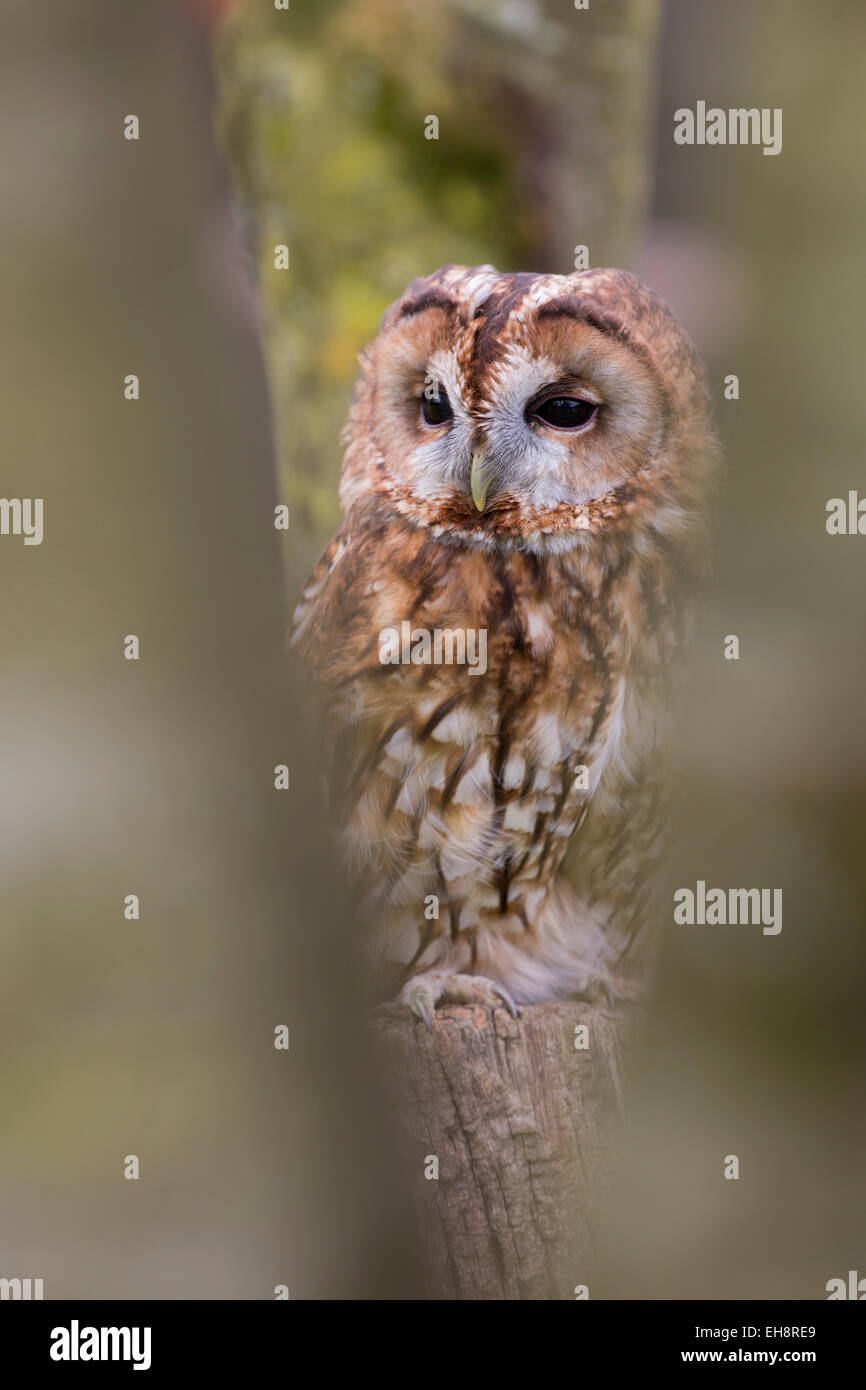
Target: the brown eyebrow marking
(431, 300)
(573, 307)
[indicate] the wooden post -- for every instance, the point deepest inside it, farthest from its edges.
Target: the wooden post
(523, 1123)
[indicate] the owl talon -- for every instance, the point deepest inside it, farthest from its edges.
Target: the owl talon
(423, 1005)
(423, 993)
(507, 1000)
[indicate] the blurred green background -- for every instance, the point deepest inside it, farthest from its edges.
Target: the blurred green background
(556, 129)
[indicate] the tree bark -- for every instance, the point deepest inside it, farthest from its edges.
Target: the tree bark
(523, 1125)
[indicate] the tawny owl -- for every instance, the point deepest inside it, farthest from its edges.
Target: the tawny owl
(527, 470)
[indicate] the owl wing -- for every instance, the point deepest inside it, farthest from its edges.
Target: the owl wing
(612, 860)
(334, 634)
(311, 636)
(315, 593)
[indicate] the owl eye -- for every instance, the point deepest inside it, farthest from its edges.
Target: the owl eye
(565, 412)
(435, 405)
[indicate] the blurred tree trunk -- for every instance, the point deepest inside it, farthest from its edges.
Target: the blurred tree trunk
(573, 90)
(545, 125)
(155, 777)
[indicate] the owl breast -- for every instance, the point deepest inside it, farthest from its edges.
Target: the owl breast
(466, 779)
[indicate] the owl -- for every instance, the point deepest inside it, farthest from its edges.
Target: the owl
(491, 633)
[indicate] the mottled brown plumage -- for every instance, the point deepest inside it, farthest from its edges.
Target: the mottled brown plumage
(463, 791)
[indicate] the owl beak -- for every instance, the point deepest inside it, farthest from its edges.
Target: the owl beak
(480, 478)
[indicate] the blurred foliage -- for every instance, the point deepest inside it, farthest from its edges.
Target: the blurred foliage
(323, 122)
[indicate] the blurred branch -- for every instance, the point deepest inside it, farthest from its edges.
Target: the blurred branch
(572, 92)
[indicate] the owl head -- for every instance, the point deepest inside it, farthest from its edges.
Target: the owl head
(531, 411)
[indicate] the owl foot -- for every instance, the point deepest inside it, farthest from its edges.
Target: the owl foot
(422, 993)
